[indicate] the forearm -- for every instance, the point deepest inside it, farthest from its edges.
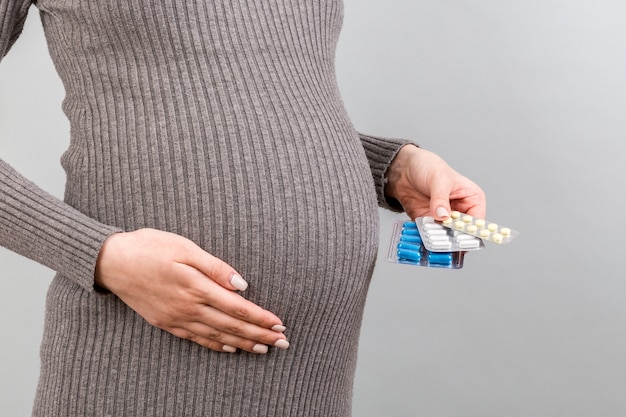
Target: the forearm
(41, 227)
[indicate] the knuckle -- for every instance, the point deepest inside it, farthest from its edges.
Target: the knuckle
(213, 335)
(240, 313)
(157, 322)
(235, 329)
(186, 310)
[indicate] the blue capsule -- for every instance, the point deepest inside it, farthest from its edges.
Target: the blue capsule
(440, 258)
(409, 255)
(411, 239)
(410, 232)
(409, 246)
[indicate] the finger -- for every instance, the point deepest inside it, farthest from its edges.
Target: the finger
(211, 293)
(216, 269)
(440, 199)
(202, 341)
(470, 199)
(229, 332)
(231, 326)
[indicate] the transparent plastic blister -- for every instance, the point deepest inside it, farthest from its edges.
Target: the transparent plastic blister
(481, 228)
(437, 238)
(443, 244)
(407, 247)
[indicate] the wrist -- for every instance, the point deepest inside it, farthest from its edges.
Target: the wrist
(398, 169)
(104, 262)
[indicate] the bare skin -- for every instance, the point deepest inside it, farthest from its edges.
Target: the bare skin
(180, 288)
(426, 185)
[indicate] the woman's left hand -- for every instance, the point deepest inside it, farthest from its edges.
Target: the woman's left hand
(426, 185)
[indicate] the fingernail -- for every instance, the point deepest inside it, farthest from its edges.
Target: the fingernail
(282, 344)
(442, 212)
(279, 328)
(228, 348)
(238, 282)
(260, 348)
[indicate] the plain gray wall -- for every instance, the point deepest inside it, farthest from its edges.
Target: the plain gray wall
(526, 98)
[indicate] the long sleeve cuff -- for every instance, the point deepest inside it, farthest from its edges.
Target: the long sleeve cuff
(41, 227)
(380, 153)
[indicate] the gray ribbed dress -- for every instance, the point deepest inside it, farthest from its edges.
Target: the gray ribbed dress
(219, 120)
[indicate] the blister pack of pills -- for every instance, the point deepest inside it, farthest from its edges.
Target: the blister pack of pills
(480, 228)
(437, 238)
(443, 244)
(408, 247)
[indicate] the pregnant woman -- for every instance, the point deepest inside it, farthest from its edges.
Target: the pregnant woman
(219, 227)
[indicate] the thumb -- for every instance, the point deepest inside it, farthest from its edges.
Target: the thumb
(440, 201)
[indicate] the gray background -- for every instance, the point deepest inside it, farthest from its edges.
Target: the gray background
(528, 98)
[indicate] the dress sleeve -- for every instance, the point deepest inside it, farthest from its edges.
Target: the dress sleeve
(12, 16)
(380, 152)
(34, 223)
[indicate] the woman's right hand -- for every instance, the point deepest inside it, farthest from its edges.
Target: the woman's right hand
(176, 286)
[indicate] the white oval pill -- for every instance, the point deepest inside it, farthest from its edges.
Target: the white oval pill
(468, 244)
(441, 245)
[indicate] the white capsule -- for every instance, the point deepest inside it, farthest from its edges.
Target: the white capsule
(436, 232)
(433, 238)
(433, 226)
(427, 220)
(441, 245)
(462, 236)
(469, 244)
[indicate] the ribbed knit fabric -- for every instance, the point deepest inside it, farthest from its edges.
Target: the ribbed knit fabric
(219, 120)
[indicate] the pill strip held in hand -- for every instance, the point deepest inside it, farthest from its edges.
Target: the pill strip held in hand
(480, 228)
(438, 238)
